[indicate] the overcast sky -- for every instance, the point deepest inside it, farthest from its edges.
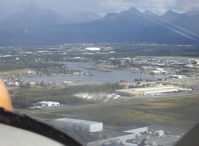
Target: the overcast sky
(100, 7)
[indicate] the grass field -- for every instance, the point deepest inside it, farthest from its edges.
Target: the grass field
(12, 71)
(178, 111)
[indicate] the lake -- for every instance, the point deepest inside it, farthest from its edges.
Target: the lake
(114, 76)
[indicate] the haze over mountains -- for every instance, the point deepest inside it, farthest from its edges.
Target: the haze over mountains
(40, 26)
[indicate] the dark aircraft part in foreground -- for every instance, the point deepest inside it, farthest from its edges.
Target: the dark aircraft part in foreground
(191, 138)
(5, 100)
(142, 143)
(27, 123)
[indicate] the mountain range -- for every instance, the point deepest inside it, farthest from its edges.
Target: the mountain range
(40, 26)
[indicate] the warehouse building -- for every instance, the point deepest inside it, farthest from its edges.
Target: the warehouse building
(78, 125)
(156, 90)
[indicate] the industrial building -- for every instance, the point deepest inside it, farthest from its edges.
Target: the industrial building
(78, 125)
(156, 90)
(123, 139)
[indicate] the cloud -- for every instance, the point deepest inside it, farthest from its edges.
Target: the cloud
(99, 6)
(11, 6)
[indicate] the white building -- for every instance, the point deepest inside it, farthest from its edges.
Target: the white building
(32, 83)
(161, 91)
(158, 71)
(159, 133)
(78, 125)
(156, 90)
(93, 49)
(47, 104)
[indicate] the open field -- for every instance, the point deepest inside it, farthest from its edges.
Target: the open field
(13, 71)
(179, 111)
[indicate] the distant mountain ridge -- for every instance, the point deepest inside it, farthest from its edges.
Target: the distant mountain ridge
(39, 26)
